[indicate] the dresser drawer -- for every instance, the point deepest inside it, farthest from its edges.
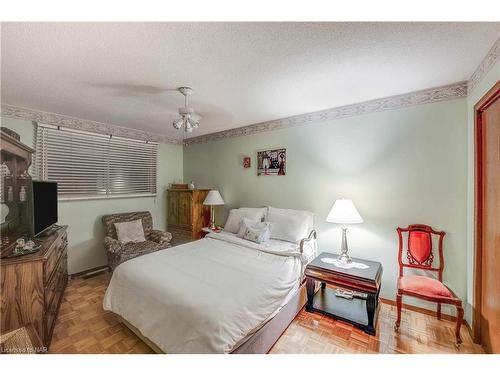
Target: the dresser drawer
(55, 253)
(57, 277)
(53, 306)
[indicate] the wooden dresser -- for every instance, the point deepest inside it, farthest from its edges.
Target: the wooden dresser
(186, 213)
(32, 286)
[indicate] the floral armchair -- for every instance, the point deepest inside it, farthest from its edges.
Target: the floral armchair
(119, 252)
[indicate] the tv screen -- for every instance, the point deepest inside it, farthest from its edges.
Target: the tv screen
(44, 205)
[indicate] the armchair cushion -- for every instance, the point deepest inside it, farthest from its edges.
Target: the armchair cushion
(425, 286)
(130, 231)
(159, 236)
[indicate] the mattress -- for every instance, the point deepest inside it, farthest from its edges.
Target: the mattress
(206, 296)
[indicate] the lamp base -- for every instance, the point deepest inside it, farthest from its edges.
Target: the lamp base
(212, 218)
(344, 257)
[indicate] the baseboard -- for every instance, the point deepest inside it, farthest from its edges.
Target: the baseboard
(90, 272)
(422, 310)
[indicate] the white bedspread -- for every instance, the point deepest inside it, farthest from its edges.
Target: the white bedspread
(205, 296)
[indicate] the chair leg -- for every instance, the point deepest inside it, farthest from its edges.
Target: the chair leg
(399, 298)
(460, 318)
(439, 311)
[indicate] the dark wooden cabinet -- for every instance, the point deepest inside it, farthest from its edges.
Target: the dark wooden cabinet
(32, 286)
(362, 288)
(186, 213)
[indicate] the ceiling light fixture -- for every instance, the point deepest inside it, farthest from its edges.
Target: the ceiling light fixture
(186, 122)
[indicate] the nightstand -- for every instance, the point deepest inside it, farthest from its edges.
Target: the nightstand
(360, 288)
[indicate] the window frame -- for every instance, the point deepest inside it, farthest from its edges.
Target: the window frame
(41, 164)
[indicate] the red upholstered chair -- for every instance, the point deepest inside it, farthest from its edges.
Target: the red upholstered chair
(420, 255)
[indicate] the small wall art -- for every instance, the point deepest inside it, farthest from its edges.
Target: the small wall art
(247, 162)
(271, 162)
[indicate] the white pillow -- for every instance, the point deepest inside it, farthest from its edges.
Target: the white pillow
(257, 234)
(130, 231)
(289, 225)
(249, 223)
(236, 215)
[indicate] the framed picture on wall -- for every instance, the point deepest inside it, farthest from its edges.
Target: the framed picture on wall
(271, 162)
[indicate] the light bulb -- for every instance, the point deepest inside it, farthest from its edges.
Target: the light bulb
(193, 123)
(177, 124)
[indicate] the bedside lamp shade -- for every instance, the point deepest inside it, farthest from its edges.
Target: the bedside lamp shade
(344, 212)
(213, 199)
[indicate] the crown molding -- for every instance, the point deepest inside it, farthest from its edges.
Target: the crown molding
(489, 60)
(433, 95)
(56, 119)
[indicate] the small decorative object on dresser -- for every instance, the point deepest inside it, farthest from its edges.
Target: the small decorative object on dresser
(186, 214)
(213, 199)
(351, 295)
(344, 212)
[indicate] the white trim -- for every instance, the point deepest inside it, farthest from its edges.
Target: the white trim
(74, 123)
(489, 60)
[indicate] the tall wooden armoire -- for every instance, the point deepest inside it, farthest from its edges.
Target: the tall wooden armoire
(186, 213)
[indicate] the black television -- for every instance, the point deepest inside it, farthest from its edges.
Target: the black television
(44, 205)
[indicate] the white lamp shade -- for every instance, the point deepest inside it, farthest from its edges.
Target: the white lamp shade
(344, 212)
(213, 199)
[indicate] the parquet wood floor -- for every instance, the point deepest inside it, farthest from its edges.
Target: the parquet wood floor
(84, 327)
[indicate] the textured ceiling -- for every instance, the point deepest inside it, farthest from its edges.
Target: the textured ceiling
(241, 73)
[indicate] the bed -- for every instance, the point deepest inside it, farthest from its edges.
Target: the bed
(220, 294)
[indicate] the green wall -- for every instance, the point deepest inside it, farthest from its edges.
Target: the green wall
(399, 167)
(85, 232)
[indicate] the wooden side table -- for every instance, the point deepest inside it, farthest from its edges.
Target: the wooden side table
(362, 284)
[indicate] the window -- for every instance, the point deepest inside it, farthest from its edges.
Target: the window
(89, 165)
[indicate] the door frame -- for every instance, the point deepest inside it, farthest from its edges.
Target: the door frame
(492, 95)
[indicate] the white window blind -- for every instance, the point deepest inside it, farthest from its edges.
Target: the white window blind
(88, 165)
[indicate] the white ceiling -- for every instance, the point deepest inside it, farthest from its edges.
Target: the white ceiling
(241, 73)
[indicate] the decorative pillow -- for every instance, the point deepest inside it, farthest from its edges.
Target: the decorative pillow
(244, 224)
(236, 215)
(254, 224)
(289, 225)
(130, 231)
(258, 235)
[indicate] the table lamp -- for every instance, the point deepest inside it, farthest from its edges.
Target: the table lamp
(344, 212)
(213, 199)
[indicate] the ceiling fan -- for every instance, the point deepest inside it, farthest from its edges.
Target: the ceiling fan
(187, 122)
